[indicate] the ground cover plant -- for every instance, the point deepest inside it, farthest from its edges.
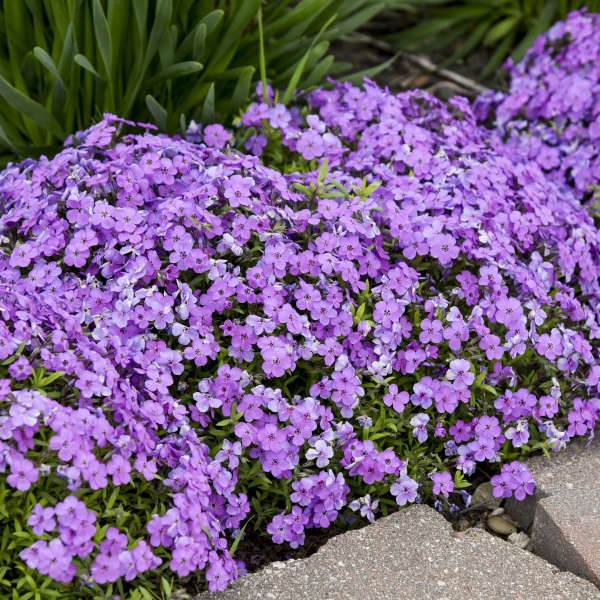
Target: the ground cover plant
(63, 63)
(551, 114)
(344, 306)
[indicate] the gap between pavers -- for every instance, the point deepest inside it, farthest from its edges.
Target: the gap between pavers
(411, 555)
(564, 513)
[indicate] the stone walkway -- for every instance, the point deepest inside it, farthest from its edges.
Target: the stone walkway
(414, 554)
(564, 513)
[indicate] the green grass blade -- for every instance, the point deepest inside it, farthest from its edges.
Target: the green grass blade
(199, 41)
(212, 19)
(46, 60)
(242, 89)
(261, 55)
(304, 11)
(356, 20)
(546, 18)
(140, 14)
(30, 109)
(164, 9)
(319, 72)
(240, 20)
(103, 38)
(181, 69)
(357, 78)
(500, 30)
(287, 96)
(83, 62)
(157, 111)
(117, 14)
(167, 47)
(208, 107)
(238, 537)
(59, 91)
(314, 55)
(471, 42)
(67, 55)
(59, 17)
(499, 55)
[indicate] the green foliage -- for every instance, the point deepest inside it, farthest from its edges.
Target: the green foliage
(129, 507)
(507, 27)
(63, 63)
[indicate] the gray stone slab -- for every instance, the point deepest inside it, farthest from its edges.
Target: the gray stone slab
(564, 513)
(576, 466)
(566, 531)
(412, 555)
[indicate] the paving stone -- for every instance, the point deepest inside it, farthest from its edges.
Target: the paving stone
(566, 532)
(564, 514)
(412, 555)
(562, 472)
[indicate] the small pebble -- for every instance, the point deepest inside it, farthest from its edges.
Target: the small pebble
(519, 539)
(501, 525)
(483, 495)
(180, 595)
(459, 534)
(497, 511)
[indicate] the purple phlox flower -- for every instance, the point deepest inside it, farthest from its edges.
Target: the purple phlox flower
(550, 345)
(397, 400)
(366, 506)
(230, 452)
(482, 448)
(41, 519)
(419, 423)
(321, 451)
(20, 369)
(518, 435)
(423, 393)
(501, 486)
(119, 468)
(459, 373)
(442, 483)
(444, 248)
(23, 473)
(405, 490)
(431, 331)
(487, 426)
(302, 494)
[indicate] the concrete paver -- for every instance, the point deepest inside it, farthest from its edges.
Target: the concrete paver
(564, 513)
(561, 473)
(412, 555)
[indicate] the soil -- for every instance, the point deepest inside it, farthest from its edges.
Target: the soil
(403, 74)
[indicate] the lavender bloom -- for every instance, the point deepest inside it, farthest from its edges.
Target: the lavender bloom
(419, 423)
(442, 483)
(321, 451)
(405, 490)
(518, 435)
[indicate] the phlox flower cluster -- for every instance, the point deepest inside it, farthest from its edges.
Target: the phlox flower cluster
(244, 335)
(551, 114)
